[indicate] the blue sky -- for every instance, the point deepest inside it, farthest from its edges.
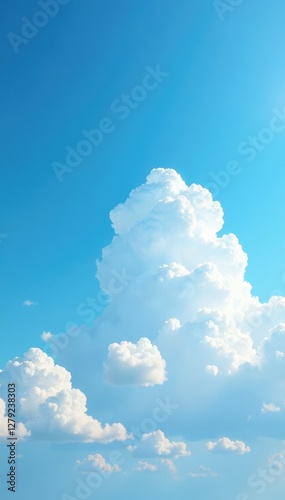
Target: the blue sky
(223, 82)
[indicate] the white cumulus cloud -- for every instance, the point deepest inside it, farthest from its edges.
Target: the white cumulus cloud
(48, 404)
(155, 444)
(135, 364)
(212, 369)
(225, 445)
(21, 432)
(180, 282)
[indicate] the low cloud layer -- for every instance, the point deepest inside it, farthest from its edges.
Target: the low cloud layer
(48, 404)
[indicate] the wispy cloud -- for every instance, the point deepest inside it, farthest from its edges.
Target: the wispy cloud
(169, 464)
(143, 466)
(96, 462)
(270, 407)
(203, 472)
(29, 303)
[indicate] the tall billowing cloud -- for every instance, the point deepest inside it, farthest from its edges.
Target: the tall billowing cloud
(182, 287)
(175, 280)
(166, 238)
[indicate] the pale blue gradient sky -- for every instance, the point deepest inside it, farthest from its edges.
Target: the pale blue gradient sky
(225, 78)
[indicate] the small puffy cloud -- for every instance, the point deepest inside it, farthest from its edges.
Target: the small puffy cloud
(213, 369)
(225, 445)
(270, 407)
(46, 336)
(134, 364)
(48, 404)
(29, 303)
(145, 466)
(203, 472)
(171, 325)
(96, 462)
(155, 444)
